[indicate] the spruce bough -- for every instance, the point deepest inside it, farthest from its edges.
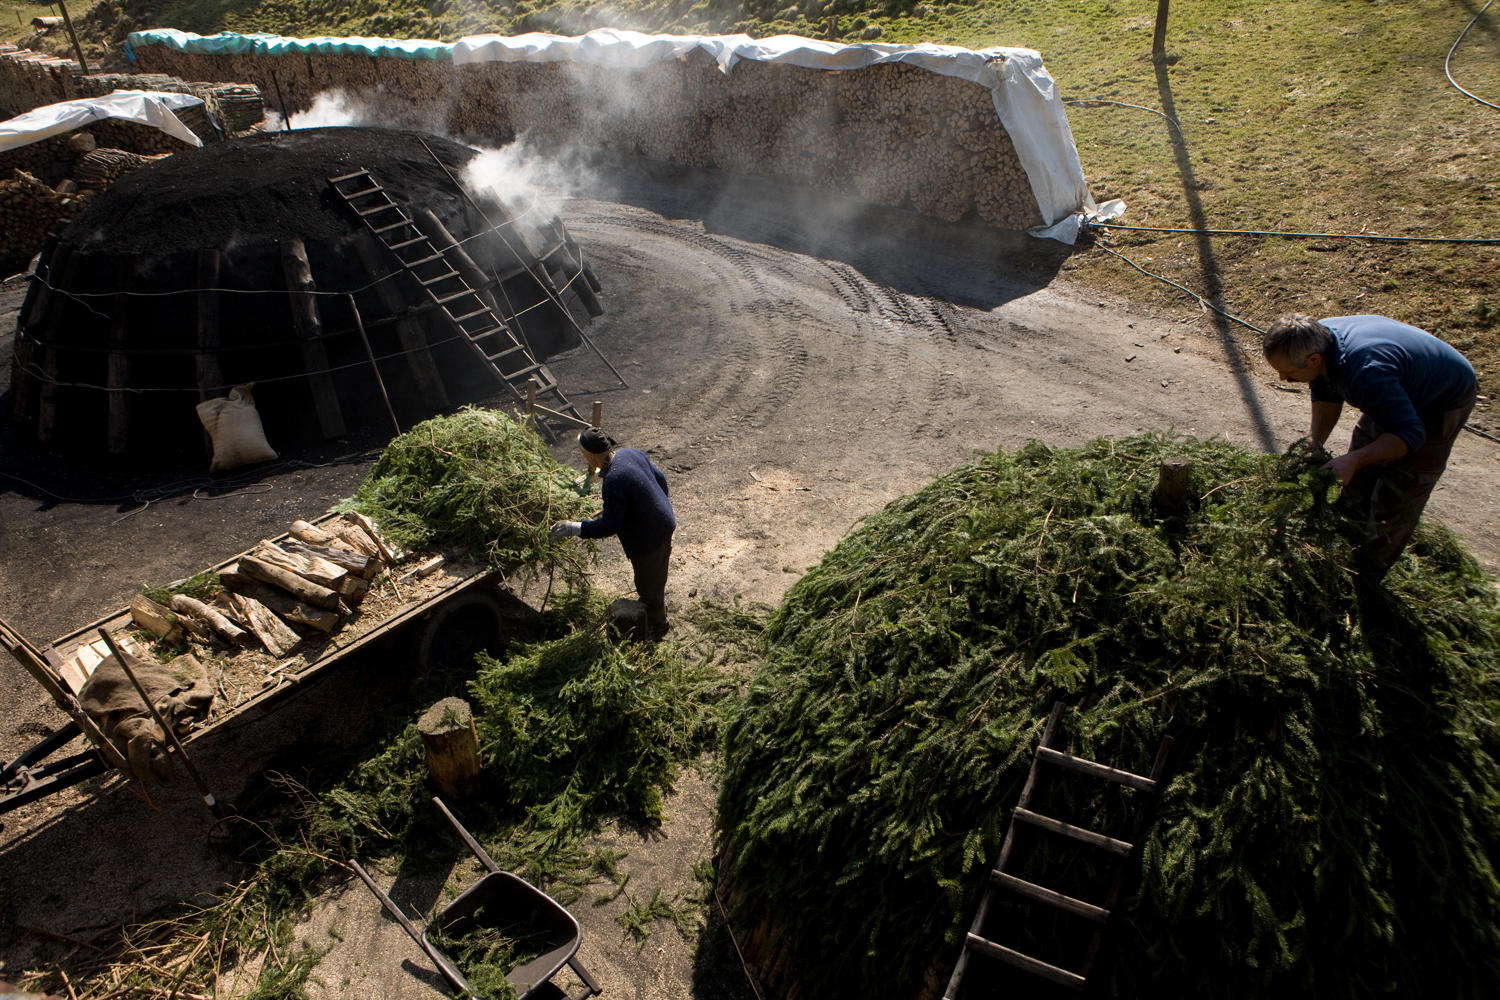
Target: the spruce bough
(1330, 824)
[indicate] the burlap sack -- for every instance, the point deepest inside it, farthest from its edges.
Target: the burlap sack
(234, 427)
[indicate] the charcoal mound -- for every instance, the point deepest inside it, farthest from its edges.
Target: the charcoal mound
(242, 262)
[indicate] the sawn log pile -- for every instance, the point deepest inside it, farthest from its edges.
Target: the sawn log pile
(892, 134)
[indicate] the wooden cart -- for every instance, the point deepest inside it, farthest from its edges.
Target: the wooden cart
(450, 613)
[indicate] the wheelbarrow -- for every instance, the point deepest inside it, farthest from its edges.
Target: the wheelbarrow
(498, 900)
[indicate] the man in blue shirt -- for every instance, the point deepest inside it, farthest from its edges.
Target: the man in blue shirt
(637, 509)
(1414, 392)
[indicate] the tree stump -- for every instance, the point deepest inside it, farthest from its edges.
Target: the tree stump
(452, 744)
(627, 620)
(1170, 498)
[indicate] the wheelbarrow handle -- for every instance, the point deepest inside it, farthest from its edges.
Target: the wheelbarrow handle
(440, 960)
(479, 852)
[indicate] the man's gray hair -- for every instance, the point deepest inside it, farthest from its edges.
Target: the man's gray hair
(1297, 337)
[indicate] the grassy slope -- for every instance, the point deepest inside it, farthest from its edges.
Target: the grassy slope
(1322, 116)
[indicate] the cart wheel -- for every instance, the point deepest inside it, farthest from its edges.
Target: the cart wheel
(470, 623)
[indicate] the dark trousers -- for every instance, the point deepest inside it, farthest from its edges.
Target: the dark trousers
(1389, 498)
(651, 582)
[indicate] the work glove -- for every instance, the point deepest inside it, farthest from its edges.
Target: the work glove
(567, 529)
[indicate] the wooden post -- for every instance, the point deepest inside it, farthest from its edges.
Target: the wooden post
(309, 328)
(531, 402)
(598, 418)
(77, 49)
(1159, 39)
(118, 432)
(413, 340)
(206, 362)
(1170, 498)
(452, 744)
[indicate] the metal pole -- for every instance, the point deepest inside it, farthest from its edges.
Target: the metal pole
(77, 49)
(208, 796)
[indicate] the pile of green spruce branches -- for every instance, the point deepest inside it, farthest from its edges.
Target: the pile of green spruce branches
(1329, 825)
(480, 482)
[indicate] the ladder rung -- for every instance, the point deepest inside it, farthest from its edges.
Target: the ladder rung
(523, 372)
(468, 316)
(351, 195)
(441, 277)
(366, 213)
(467, 292)
(423, 260)
(1035, 966)
(348, 177)
(1095, 770)
(495, 358)
(395, 225)
(1077, 833)
(1051, 897)
(397, 247)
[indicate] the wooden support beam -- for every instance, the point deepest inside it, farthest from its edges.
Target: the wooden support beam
(118, 433)
(309, 326)
(413, 338)
(206, 363)
(46, 420)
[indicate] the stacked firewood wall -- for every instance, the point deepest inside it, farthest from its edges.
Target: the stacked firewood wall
(30, 79)
(891, 134)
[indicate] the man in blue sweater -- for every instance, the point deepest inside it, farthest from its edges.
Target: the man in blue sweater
(637, 509)
(1414, 392)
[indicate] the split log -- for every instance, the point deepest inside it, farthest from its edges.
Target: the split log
(299, 587)
(193, 609)
(359, 540)
(452, 744)
(387, 551)
(360, 565)
(273, 633)
(292, 611)
(155, 619)
(315, 568)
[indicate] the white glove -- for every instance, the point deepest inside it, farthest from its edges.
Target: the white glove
(567, 529)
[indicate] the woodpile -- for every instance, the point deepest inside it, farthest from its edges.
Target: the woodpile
(893, 134)
(99, 168)
(30, 79)
(28, 210)
(281, 592)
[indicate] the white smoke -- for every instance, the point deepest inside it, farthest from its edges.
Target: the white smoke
(330, 108)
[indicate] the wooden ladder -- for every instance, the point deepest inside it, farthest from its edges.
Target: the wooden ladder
(1001, 879)
(504, 354)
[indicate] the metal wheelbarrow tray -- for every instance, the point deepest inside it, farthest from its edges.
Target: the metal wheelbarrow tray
(498, 900)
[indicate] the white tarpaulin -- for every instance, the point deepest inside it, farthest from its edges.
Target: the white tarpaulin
(1024, 94)
(146, 107)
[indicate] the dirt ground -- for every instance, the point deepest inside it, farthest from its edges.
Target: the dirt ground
(792, 364)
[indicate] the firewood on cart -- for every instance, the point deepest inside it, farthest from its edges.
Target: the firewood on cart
(310, 533)
(360, 565)
(273, 633)
(359, 540)
(195, 610)
(387, 551)
(155, 619)
(295, 613)
(314, 568)
(299, 587)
